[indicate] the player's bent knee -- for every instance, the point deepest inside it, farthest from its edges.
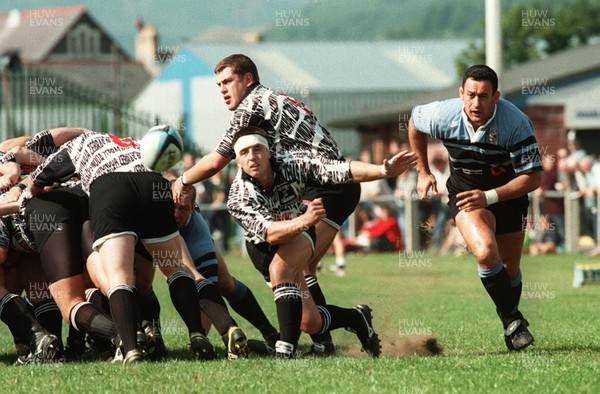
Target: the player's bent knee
(312, 325)
(485, 252)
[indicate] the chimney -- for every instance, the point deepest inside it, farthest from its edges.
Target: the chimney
(146, 42)
(14, 19)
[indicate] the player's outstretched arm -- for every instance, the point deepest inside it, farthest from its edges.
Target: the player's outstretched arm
(364, 172)
(208, 166)
(60, 135)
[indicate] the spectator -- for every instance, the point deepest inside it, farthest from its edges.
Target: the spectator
(381, 234)
(373, 189)
(405, 187)
(553, 208)
(219, 219)
(586, 185)
(439, 203)
(541, 236)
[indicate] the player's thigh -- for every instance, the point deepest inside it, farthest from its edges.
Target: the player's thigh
(478, 230)
(225, 282)
(291, 259)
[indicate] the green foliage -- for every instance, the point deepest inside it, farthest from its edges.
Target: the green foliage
(538, 28)
(352, 20)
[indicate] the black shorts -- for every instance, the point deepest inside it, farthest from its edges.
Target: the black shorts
(509, 214)
(49, 212)
(45, 212)
(138, 204)
(339, 200)
(262, 254)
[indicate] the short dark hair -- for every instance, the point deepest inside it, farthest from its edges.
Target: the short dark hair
(481, 72)
(187, 190)
(240, 65)
(249, 130)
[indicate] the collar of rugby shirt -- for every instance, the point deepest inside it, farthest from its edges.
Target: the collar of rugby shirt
(473, 135)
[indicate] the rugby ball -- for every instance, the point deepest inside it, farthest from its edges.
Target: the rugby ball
(161, 148)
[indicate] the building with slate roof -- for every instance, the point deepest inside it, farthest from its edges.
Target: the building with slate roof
(68, 43)
(559, 93)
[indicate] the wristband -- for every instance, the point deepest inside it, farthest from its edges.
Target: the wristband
(384, 170)
(21, 186)
(491, 197)
(182, 179)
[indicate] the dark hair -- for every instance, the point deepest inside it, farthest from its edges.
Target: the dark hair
(187, 190)
(249, 130)
(481, 72)
(240, 65)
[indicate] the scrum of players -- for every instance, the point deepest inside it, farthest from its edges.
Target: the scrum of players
(71, 251)
(80, 257)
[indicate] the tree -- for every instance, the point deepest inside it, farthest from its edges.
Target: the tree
(538, 29)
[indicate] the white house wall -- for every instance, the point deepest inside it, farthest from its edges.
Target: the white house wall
(211, 117)
(163, 99)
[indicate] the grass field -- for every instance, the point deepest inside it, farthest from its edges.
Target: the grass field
(413, 296)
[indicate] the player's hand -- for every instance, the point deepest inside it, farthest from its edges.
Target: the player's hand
(177, 189)
(401, 162)
(471, 200)
(5, 181)
(315, 212)
(34, 189)
(424, 183)
(11, 196)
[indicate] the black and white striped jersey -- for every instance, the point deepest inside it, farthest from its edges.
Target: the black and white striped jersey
(90, 155)
(256, 208)
(290, 125)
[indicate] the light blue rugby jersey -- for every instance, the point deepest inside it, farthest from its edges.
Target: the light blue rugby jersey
(502, 149)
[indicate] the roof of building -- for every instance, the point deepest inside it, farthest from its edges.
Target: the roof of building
(415, 65)
(555, 69)
(35, 33)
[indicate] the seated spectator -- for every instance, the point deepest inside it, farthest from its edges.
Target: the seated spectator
(381, 234)
(454, 243)
(541, 236)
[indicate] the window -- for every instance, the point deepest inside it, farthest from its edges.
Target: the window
(84, 40)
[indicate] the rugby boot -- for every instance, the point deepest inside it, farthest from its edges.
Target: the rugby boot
(320, 350)
(155, 344)
(516, 336)
(284, 350)
(237, 343)
(201, 347)
(46, 346)
(133, 356)
(366, 334)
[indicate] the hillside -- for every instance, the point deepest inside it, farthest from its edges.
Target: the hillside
(382, 19)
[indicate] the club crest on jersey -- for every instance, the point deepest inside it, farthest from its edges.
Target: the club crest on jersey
(492, 135)
(497, 171)
(286, 194)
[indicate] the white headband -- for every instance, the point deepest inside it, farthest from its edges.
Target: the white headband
(249, 140)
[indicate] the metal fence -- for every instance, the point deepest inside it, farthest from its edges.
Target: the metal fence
(32, 99)
(413, 218)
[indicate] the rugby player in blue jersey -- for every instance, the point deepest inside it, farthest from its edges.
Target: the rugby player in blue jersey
(494, 162)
